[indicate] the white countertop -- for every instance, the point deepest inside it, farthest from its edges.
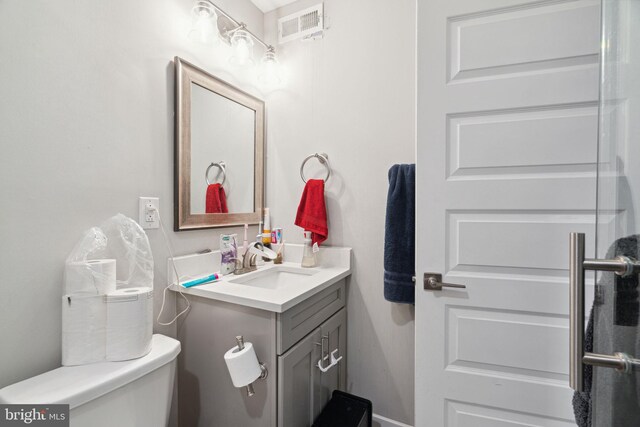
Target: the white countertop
(334, 264)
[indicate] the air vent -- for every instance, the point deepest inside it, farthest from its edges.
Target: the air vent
(301, 24)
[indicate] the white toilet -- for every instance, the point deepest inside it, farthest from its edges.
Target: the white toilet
(134, 393)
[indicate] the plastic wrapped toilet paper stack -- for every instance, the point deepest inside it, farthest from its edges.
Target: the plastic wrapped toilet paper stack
(107, 306)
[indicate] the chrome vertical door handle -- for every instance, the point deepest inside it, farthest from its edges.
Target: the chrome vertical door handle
(433, 282)
(576, 311)
(622, 266)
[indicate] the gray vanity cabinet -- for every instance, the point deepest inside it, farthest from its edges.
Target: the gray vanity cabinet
(289, 343)
(303, 390)
(299, 383)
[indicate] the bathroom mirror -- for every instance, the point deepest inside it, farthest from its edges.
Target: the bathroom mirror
(219, 167)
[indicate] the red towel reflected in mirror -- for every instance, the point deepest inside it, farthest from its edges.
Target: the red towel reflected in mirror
(216, 199)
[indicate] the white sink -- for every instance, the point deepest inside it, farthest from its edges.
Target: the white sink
(275, 278)
(271, 287)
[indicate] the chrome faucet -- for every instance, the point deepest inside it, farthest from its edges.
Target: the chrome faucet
(249, 258)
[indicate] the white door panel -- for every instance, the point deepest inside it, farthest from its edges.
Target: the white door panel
(482, 44)
(465, 415)
(507, 144)
(529, 141)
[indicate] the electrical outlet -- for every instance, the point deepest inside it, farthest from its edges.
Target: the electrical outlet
(149, 212)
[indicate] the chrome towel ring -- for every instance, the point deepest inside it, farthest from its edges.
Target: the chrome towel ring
(222, 166)
(323, 158)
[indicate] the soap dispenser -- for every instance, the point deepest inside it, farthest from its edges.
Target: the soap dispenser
(308, 255)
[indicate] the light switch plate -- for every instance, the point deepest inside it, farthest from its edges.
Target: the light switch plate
(149, 212)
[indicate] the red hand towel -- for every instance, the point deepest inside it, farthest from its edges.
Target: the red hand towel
(216, 199)
(312, 213)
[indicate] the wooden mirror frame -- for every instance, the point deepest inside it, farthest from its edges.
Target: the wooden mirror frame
(186, 74)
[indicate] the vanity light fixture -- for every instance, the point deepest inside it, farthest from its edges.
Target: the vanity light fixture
(204, 28)
(242, 45)
(238, 36)
(270, 73)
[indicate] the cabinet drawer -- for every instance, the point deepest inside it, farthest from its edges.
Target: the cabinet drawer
(298, 321)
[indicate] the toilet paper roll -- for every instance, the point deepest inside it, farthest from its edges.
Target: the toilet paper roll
(129, 323)
(243, 365)
(84, 320)
(91, 277)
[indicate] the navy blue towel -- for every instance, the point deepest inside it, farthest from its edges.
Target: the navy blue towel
(399, 235)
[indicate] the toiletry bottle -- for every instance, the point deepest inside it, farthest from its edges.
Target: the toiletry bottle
(266, 231)
(228, 252)
(308, 256)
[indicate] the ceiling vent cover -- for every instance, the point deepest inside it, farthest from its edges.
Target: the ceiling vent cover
(305, 23)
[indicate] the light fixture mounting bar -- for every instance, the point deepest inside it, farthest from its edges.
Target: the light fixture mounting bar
(239, 25)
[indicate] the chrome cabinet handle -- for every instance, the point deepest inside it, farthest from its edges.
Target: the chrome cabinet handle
(622, 266)
(433, 282)
(322, 354)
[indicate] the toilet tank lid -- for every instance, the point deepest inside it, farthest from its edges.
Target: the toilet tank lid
(77, 385)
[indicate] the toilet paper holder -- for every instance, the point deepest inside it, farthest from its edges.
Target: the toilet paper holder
(263, 368)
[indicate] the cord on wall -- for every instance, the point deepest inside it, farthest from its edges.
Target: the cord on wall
(175, 270)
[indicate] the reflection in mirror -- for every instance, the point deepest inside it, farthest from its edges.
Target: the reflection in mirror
(219, 152)
(222, 139)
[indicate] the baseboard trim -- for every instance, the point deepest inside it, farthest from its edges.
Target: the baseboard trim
(380, 421)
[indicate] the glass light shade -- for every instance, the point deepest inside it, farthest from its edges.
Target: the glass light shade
(242, 45)
(204, 28)
(270, 73)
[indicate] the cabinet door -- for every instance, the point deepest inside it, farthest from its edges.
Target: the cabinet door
(336, 330)
(299, 383)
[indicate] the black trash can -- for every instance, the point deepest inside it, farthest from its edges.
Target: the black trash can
(346, 410)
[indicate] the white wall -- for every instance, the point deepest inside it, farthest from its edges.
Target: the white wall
(86, 126)
(352, 95)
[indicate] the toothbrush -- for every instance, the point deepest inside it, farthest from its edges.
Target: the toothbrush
(212, 278)
(246, 242)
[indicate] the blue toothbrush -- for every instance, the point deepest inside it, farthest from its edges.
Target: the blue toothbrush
(213, 277)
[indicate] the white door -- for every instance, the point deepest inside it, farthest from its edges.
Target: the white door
(506, 156)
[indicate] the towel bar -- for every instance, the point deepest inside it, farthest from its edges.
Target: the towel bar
(323, 158)
(222, 167)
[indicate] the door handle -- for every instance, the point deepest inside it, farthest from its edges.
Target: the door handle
(622, 266)
(433, 282)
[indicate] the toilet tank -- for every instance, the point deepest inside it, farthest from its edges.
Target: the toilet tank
(134, 393)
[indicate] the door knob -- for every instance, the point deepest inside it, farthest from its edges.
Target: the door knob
(433, 282)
